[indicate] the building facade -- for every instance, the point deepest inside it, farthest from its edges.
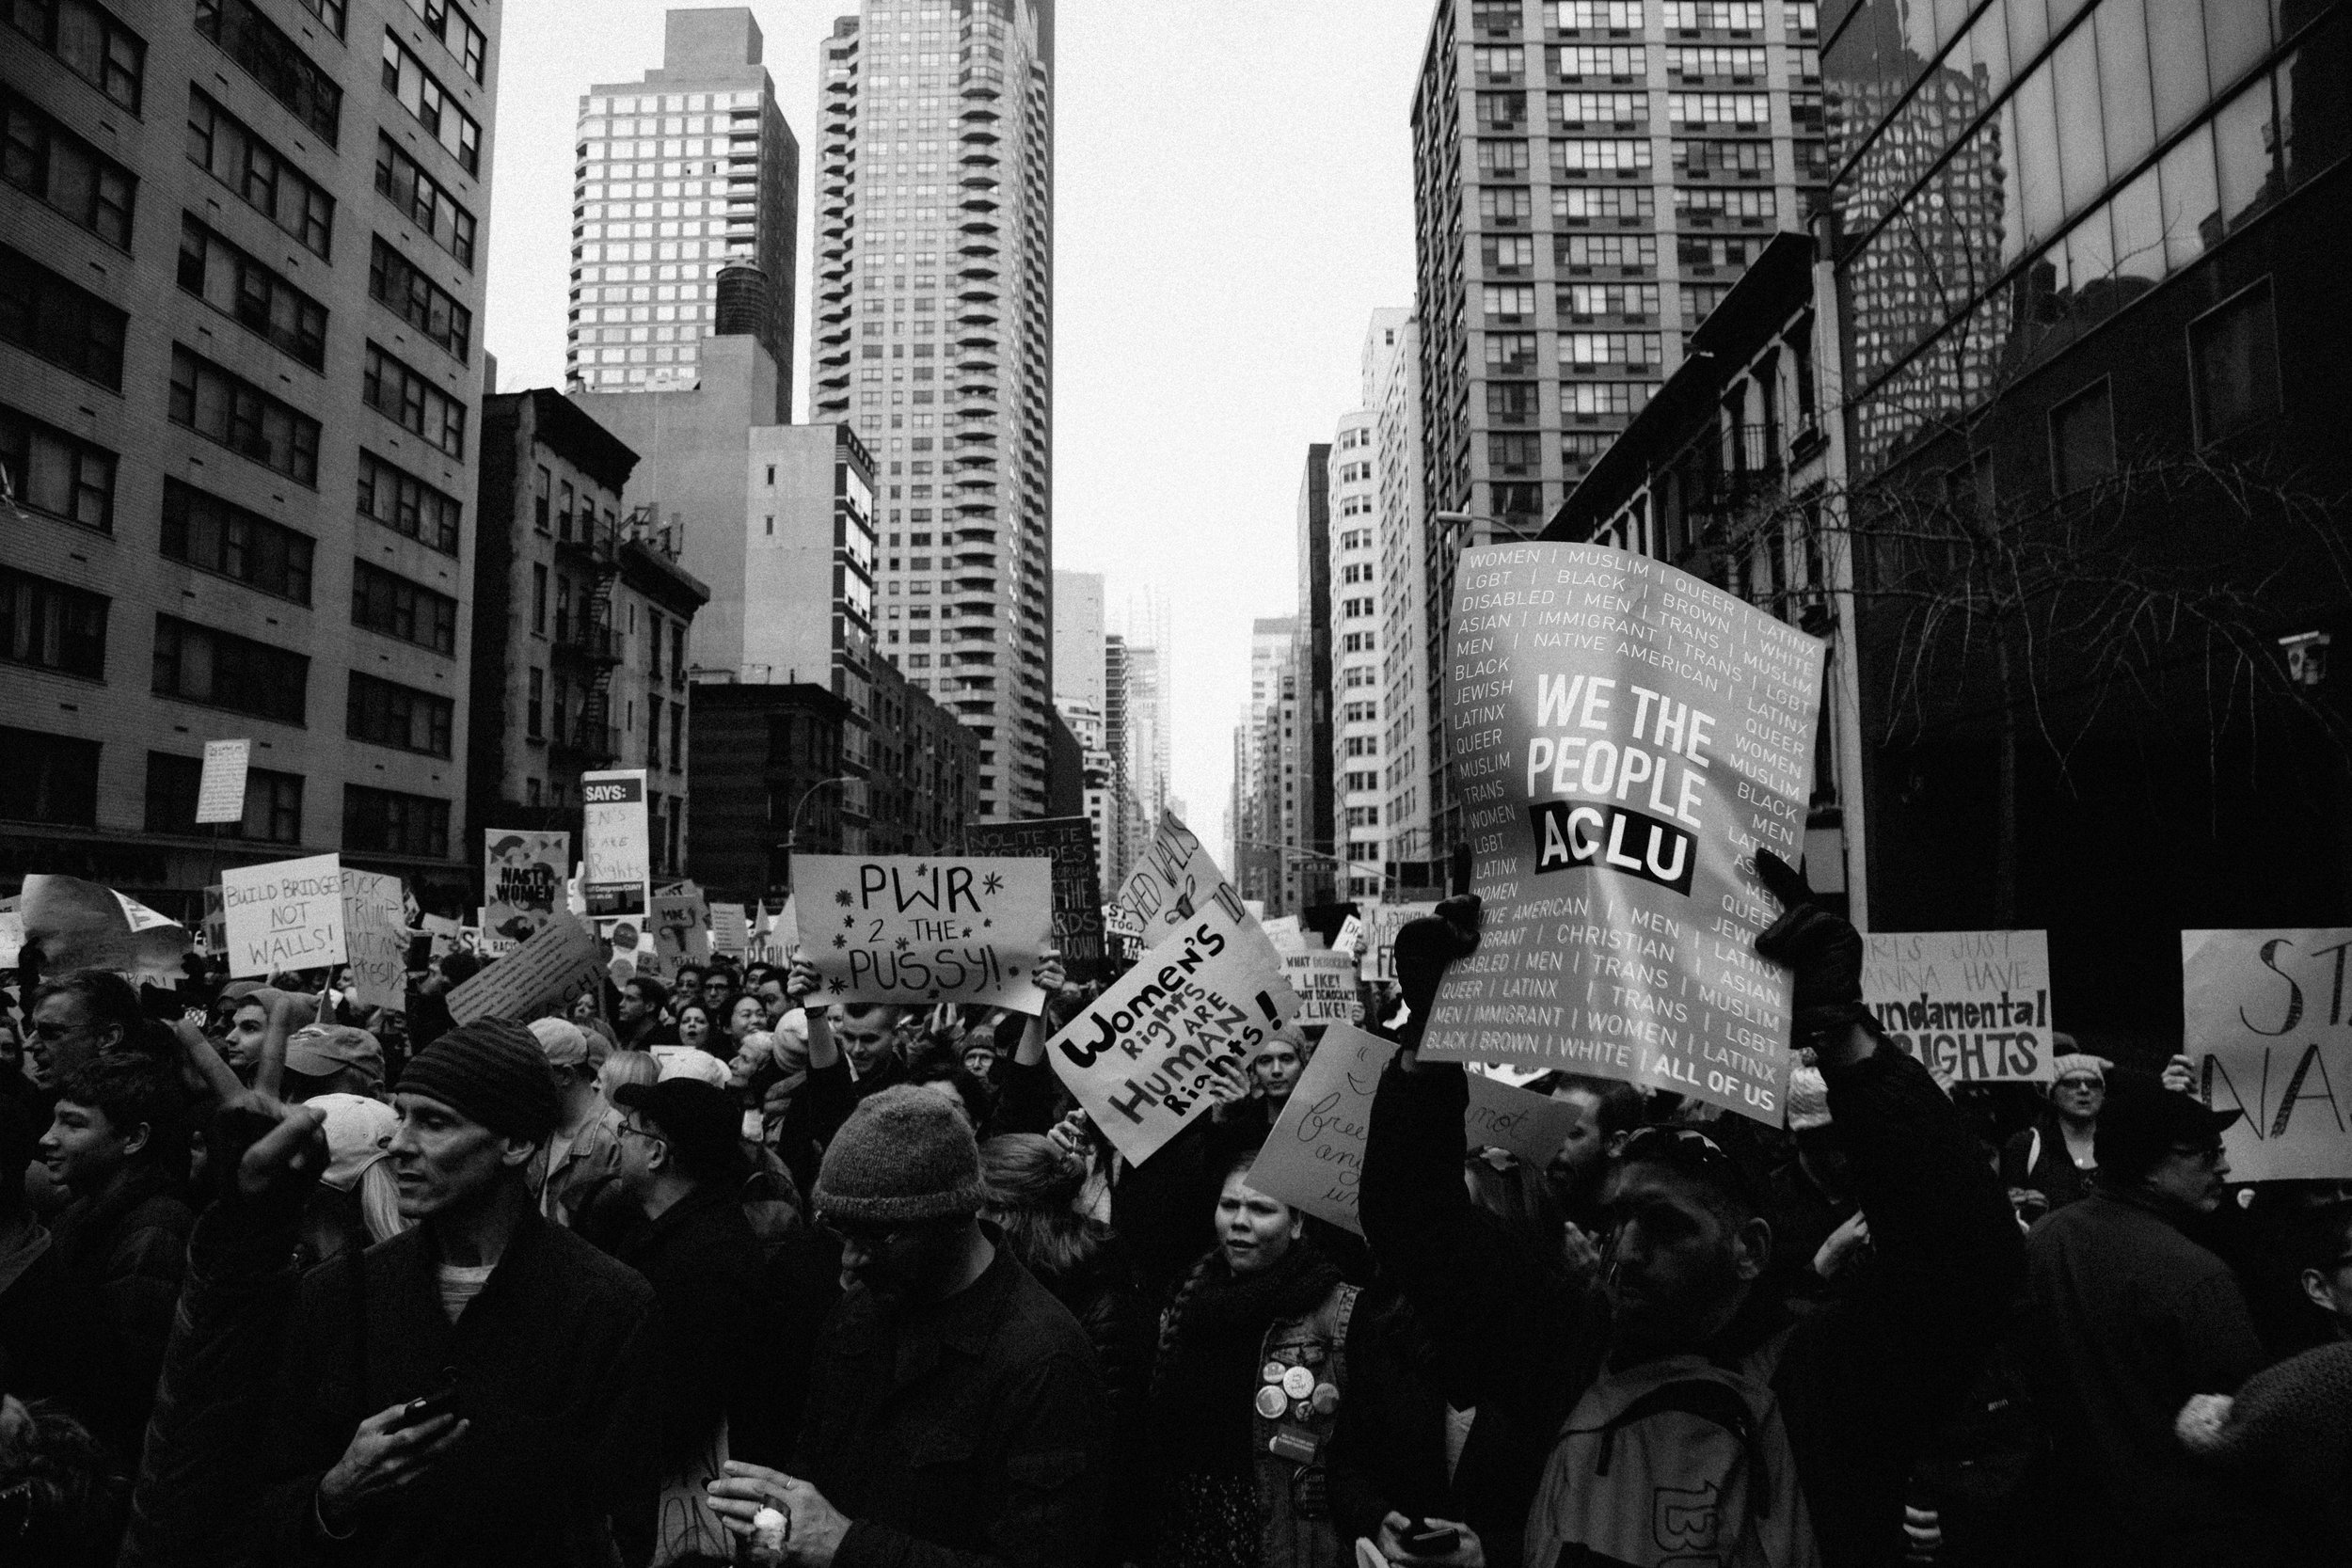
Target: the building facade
(1406, 573)
(1265, 811)
(240, 283)
(932, 335)
(1352, 736)
(678, 177)
(1309, 768)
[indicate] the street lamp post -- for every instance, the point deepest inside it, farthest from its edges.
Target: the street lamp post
(1470, 519)
(792, 824)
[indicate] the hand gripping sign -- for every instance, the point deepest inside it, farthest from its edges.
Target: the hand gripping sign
(1143, 1058)
(921, 930)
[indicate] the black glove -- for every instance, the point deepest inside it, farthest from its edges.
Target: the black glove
(1426, 945)
(1822, 950)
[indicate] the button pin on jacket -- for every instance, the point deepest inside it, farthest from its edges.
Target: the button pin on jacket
(1271, 1404)
(1298, 1383)
(1271, 1372)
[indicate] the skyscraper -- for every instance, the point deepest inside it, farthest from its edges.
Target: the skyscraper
(240, 282)
(688, 171)
(933, 337)
(1350, 737)
(1409, 706)
(1310, 682)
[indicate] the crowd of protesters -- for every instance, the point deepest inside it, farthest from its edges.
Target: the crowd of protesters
(688, 1270)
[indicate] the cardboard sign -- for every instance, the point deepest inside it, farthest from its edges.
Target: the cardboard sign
(522, 883)
(1975, 1003)
(775, 935)
(1143, 1057)
(553, 966)
(921, 930)
(1068, 842)
(284, 915)
(681, 931)
(375, 939)
(220, 789)
(1326, 988)
(616, 849)
(2266, 1021)
(11, 937)
(1625, 737)
(1378, 961)
(84, 925)
(1531, 1126)
(730, 930)
(1174, 881)
(1351, 938)
(1314, 1156)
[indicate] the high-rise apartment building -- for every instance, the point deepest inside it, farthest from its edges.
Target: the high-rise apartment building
(1310, 672)
(933, 337)
(1406, 551)
(1267, 825)
(1148, 727)
(1351, 740)
(675, 177)
(1590, 178)
(240, 283)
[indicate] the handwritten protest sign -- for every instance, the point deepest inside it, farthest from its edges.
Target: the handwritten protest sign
(616, 851)
(921, 930)
(522, 882)
(375, 941)
(1382, 922)
(1173, 881)
(730, 929)
(681, 930)
(221, 788)
(1327, 986)
(1314, 1154)
(1975, 1003)
(1625, 737)
(1351, 938)
(11, 937)
(1283, 931)
(2266, 1022)
(1143, 1057)
(558, 959)
(284, 915)
(1068, 842)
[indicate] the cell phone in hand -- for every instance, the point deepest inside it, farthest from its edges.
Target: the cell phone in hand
(441, 1402)
(1423, 1539)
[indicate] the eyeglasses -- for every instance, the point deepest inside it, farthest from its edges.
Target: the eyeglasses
(631, 1130)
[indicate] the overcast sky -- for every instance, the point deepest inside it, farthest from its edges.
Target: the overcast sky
(1234, 198)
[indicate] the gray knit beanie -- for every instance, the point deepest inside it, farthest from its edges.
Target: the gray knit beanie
(905, 1155)
(491, 1072)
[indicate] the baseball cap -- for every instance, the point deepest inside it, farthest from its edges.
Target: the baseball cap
(317, 1050)
(566, 1044)
(702, 1123)
(2142, 1121)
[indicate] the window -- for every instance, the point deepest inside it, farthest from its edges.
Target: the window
(273, 800)
(1608, 299)
(275, 61)
(250, 293)
(1502, 111)
(385, 823)
(221, 145)
(57, 473)
(1607, 250)
(218, 669)
(2233, 360)
(385, 713)
(1574, 62)
(1574, 16)
(1511, 352)
(240, 416)
(1745, 16)
(408, 400)
(1722, 111)
(653, 732)
(1600, 110)
(215, 535)
(328, 11)
(1704, 205)
(2082, 438)
(677, 652)
(1634, 207)
(1695, 250)
(381, 601)
(1600, 399)
(677, 737)
(406, 504)
(399, 284)
(422, 94)
(1506, 205)
(1578, 157)
(1508, 301)
(51, 625)
(1508, 251)
(1738, 65)
(90, 42)
(1361, 745)
(1514, 401)
(1509, 60)
(541, 483)
(52, 164)
(535, 701)
(1504, 160)
(402, 180)
(1709, 160)
(539, 600)
(1611, 348)
(54, 320)
(1514, 452)
(1357, 713)
(52, 777)
(1699, 298)
(448, 22)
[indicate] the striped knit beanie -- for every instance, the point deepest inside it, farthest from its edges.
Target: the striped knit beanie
(491, 1072)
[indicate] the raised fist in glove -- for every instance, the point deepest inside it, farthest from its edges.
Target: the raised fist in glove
(1822, 950)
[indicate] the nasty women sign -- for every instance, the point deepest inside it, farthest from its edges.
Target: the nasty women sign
(1142, 1058)
(1624, 738)
(284, 915)
(522, 883)
(1974, 1003)
(2267, 1022)
(918, 931)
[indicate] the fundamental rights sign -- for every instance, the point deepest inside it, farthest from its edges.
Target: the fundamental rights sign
(1069, 842)
(919, 930)
(1141, 1059)
(1976, 1003)
(2267, 1025)
(1625, 737)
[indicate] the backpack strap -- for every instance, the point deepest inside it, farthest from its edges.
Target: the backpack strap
(1708, 1401)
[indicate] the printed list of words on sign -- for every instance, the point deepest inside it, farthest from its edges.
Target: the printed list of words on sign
(1616, 719)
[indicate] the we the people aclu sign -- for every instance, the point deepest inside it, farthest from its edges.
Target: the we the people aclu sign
(2267, 1022)
(1624, 738)
(919, 930)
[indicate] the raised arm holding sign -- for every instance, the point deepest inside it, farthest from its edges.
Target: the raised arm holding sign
(919, 931)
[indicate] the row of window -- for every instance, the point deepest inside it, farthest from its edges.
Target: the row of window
(88, 41)
(50, 164)
(1800, 17)
(1696, 111)
(251, 293)
(1630, 61)
(275, 61)
(423, 198)
(402, 286)
(1582, 156)
(410, 399)
(231, 153)
(422, 94)
(448, 22)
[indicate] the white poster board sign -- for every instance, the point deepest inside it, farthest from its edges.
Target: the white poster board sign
(1327, 986)
(552, 966)
(2266, 1024)
(922, 931)
(1174, 881)
(616, 849)
(285, 915)
(1976, 1003)
(221, 791)
(375, 939)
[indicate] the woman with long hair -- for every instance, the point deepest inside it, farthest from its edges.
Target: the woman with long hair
(1030, 1192)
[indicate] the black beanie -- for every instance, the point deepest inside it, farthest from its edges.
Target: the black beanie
(491, 1072)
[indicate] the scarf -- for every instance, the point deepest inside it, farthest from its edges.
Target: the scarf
(1207, 1368)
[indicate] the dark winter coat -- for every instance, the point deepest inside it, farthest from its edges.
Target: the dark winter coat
(553, 1364)
(961, 1432)
(2037, 1159)
(1861, 1382)
(126, 1247)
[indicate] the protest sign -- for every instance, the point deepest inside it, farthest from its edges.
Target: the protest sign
(1531, 1126)
(773, 936)
(1314, 1154)
(1068, 842)
(375, 939)
(1381, 924)
(11, 937)
(83, 925)
(1326, 988)
(917, 930)
(1624, 736)
(616, 851)
(443, 930)
(681, 931)
(1174, 881)
(221, 788)
(1283, 931)
(1141, 1059)
(1351, 938)
(555, 963)
(283, 915)
(730, 930)
(1976, 1003)
(2266, 1025)
(522, 882)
